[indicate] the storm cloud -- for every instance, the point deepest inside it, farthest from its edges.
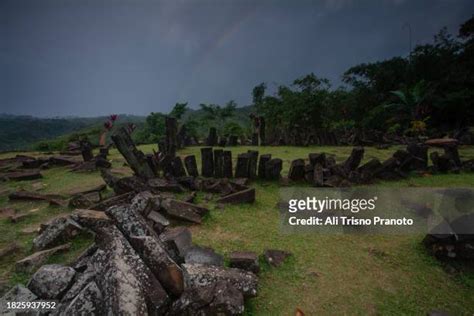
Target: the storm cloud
(93, 57)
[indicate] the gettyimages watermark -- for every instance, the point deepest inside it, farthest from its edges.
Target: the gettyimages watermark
(372, 210)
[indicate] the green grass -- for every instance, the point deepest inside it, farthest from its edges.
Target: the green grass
(327, 275)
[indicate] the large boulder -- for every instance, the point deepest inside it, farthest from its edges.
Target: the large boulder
(88, 302)
(18, 293)
(203, 275)
(220, 298)
(51, 281)
(203, 255)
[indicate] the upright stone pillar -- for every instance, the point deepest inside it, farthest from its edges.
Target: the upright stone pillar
(207, 162)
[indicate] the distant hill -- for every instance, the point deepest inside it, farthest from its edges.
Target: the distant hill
(22, 132)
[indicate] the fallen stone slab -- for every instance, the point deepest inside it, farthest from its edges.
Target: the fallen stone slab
(203, 255)
(96, 188)
(441, 142)
(34, 261)
(275, 257)
(244, 260)
(90, 218)
(59, 231)
(177, 240)
(296, 172)
(164, 185)
(220, 298)
(63, 161)
(114, 200)
(245, 196)
(203, 275)
(127, 284)
(184, 211)
(165, 269)
(88, 302)
(33, 196)
(51, 281)
(129, 222)
(23, 175)
(15, 218)
(18, 293)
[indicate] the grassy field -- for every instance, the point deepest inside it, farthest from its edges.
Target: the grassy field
(327, 275)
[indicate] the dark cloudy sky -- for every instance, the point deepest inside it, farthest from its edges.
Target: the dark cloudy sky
(91, 57)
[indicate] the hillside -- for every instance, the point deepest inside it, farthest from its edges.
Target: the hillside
(21, 132)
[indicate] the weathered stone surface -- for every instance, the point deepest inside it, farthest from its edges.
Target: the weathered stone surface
(51, 281)
(165, 185)
(452, 240)
(114, 200)
(62, 161)
(171, 132)
(23, 175)
(165, 269)
(244, 260)
(318, 175)
(441, 163)
(178, 167)
(353, 161)
(212, 138)
(296, 172)
(273, 169)
(88, 302)
(7, 212)
(244, 196)
(184, 211)
(220, 298)
(18, 293)
(127, 284)
(275, 257)
(243, 165)
(129, 222)
(34, 261)
(441, 142)
(207, 162)
(135, 158)
(389, 170)
(420, 153)
(123, 185)
(90, 219)
(369, 169)
(317, 158)
(177, 240)
(191, 166)
(81, 263)
(227, 170)
(261, 165)
(32, 196)
(59, 231)
(253, 160)
(204, 275)
(218, 163)
(309, 173)
(452, 153)
(203, 255)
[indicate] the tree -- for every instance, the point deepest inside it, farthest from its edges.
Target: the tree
(178, 110)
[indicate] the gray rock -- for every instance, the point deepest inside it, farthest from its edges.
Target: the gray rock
(18, 293)
(245, 260)
(88, 302)
(202, 255)
(127, 284)
(177, 240)
(165, 269)
(220, 298)
(51, 281)
(34, 261)
(204, 275)
(59, 231)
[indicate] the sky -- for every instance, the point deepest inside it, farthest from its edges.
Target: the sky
(96, 57)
